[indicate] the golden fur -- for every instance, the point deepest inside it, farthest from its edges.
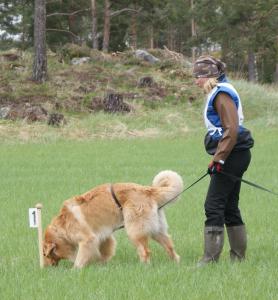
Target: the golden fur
(83, 230)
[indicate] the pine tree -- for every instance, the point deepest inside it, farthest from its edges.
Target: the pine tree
(40, 59)
(94, 24)
(16, 22)
(245, 32)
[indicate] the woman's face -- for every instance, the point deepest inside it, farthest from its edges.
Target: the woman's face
(201, 81)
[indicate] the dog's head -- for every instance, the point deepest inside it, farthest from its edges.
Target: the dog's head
(56, 247)
(51, 248)
(50, 256)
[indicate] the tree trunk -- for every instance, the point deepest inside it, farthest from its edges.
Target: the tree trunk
(224, 51)
(94, 25)
(171, 39)
(40, 58)
(276, 74)
(133, 35)
(193, 32)
(72, 28)
(252, 74)
(151, 37)
(106, 28)
(168, 32)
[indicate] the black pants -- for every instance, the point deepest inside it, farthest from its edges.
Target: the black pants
(221, 205)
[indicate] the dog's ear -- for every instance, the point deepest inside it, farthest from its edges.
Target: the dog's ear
(48, 248)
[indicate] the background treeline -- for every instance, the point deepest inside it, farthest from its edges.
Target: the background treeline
(243, 33)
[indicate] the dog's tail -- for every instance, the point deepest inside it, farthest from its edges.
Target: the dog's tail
(170, 184)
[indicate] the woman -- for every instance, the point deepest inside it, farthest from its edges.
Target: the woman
(229, 143)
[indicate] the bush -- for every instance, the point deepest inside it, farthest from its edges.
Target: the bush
(69, 51)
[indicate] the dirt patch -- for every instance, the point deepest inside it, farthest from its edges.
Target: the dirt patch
(26, 111)
(157, 91)
(112, 103)
(146, 81)
(55, 119)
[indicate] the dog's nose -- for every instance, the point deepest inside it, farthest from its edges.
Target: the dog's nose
(49, 262)
(55, 263)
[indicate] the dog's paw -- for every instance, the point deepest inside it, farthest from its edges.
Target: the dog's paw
(177, 258)
(145, 260)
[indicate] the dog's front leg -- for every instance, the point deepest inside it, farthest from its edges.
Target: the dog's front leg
(87, 251)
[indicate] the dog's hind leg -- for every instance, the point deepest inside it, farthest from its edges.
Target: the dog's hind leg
(139, 220)
(163, 238)
(107, 248)
(141, 243)
(165, 241)
(88, 250)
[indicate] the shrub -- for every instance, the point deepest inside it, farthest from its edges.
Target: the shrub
(69, 51)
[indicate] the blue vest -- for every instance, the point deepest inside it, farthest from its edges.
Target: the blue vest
(211, 117)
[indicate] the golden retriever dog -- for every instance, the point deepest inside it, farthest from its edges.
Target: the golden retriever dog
(83, 230)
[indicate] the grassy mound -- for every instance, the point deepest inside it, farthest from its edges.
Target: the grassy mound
(171, 106)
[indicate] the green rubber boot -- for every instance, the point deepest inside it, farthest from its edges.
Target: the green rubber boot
(213, 244)
(238, 242)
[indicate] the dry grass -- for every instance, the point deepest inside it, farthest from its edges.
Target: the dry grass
(173, 107)
(147, 124)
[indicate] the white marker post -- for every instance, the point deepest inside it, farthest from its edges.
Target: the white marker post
(35, 221)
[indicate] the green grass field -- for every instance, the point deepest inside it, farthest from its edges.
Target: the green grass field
(54, 171)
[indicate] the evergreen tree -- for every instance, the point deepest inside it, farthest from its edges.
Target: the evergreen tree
(16, 22)
(244, 34)
(40, 59)
(242, 30)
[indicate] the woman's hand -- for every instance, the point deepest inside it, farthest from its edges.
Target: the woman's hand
(215, 167)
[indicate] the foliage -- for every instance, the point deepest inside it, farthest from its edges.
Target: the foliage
(16, 19)
(240, 27)
(232, 30)
(69, 51)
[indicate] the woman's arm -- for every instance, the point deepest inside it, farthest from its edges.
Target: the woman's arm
(227, 112)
